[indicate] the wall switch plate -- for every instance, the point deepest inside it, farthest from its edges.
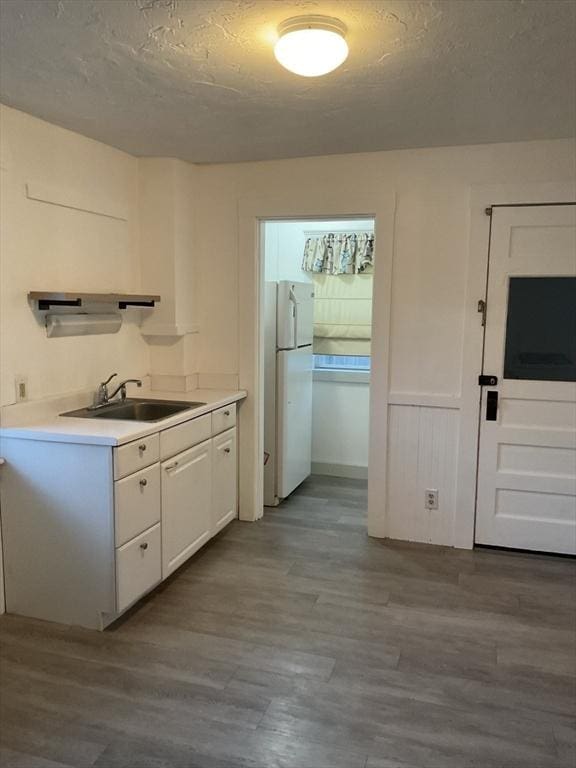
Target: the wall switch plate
(21, 384)
(431, 498)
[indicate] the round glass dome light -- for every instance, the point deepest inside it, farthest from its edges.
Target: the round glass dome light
(311, 45)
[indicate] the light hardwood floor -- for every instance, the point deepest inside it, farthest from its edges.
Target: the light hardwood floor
(297, 642)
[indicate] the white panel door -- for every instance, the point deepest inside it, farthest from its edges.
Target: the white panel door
(186, 504)
(527, 456)
(294, 435)
(225, 479)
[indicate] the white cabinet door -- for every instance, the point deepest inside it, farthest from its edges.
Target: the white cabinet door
(527, 457)
(225, 480)
(186, 504)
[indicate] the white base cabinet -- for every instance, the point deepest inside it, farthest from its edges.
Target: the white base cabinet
(225, 481)
(138, 567)
(186, 505)
(88, 530)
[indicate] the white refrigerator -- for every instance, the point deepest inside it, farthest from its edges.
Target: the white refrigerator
(288, 363)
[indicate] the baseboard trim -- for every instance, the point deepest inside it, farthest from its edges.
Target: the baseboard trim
(340, 470)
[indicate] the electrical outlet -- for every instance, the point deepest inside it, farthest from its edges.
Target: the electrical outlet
(21, 383)
(431, 498)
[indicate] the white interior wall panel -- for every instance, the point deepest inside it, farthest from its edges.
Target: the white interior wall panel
(422, 452)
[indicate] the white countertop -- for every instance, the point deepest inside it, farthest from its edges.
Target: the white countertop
(40, 420)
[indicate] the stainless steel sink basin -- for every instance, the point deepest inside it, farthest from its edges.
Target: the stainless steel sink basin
(135, 409)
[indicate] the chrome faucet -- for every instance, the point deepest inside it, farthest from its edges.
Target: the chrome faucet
(102, 397)
(122, 388)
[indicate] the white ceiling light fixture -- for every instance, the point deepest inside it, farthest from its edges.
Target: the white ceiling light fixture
(311, 46)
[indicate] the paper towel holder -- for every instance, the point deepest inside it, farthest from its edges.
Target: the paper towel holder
(58, 325)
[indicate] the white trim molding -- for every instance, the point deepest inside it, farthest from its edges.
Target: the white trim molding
(351, 471)
(342, 377)
(377, 200)
(77, 200)
(425, 399)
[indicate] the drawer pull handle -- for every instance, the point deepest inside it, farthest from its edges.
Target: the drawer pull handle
(142, 447)
(144, 546)
(226, 413)
(226, 450)
(171, 466)
(143, 482)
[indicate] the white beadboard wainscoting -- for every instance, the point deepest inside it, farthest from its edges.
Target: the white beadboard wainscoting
(423, 436)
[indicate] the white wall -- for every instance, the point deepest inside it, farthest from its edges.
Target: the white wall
(48, 246)
(433, 225)
(340, 428)
(340, 409)
(429, 270)
(284, 244)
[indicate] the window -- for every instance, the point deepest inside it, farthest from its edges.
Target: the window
(342, 362)
(541, 329)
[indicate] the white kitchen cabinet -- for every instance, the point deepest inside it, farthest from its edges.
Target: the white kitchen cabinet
(89, 529)
(223, 419)
(186, 504)
(184, 436)
(224, 479)
(138, 567)
(136, 455)
(136, 503)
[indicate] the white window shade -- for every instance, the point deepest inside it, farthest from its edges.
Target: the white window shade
(342, 314)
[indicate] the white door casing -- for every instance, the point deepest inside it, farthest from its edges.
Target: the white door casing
(527, 456)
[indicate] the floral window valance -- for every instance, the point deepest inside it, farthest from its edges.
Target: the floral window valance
(339, 254)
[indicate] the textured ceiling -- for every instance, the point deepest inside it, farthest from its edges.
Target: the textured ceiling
(197, 79)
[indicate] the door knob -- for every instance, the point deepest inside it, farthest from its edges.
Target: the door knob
(143, 482)
(144, 546)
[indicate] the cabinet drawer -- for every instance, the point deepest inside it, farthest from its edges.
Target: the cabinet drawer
(186, 435)
(138, 567)
(137, 455)
(136, 503)
(223, 418)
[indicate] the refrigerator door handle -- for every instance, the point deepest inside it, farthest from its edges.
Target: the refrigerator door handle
(292, 298)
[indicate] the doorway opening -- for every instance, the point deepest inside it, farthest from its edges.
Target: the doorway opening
(316, 323)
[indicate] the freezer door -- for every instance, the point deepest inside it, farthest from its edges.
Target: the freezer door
(295, 312)
(304, 293)
(294, 419)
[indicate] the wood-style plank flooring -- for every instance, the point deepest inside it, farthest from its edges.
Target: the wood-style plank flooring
(297, 642)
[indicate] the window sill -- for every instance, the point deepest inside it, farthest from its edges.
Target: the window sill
(343, 377)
